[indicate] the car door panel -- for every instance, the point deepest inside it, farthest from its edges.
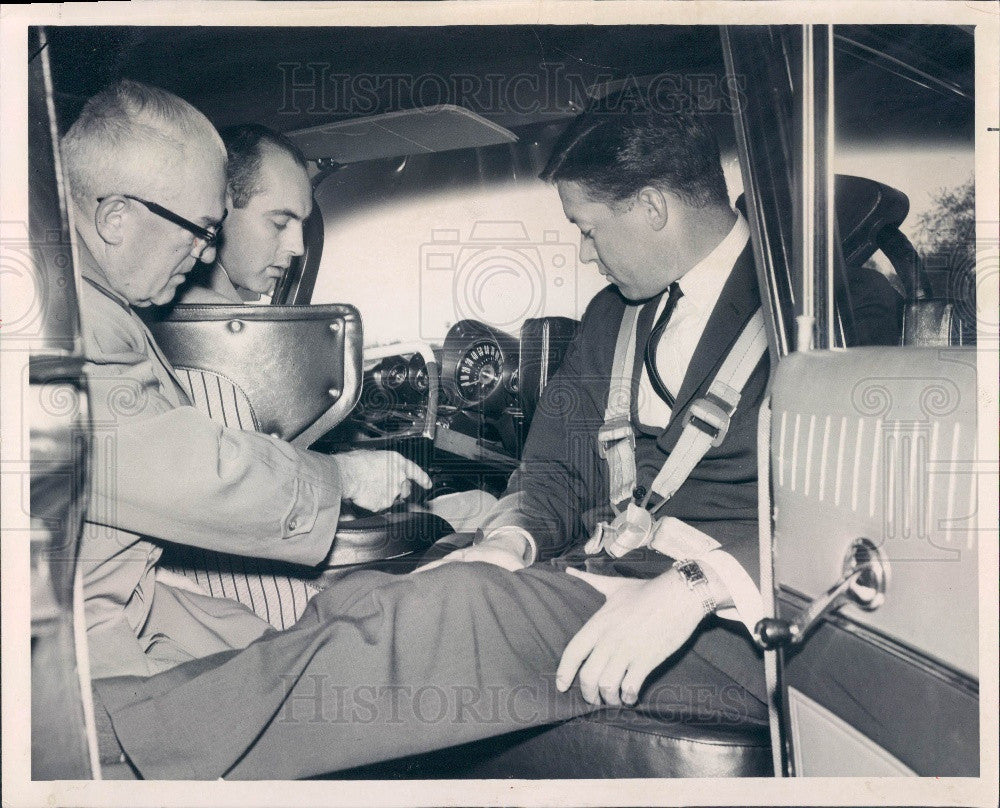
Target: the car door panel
(822, 735)
(879, 443)
(854, 690)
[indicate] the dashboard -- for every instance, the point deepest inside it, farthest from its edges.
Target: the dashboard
(471, 398)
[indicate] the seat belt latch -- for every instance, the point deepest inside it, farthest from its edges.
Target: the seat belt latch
(608, 439)
(710, 418)
(630, 529)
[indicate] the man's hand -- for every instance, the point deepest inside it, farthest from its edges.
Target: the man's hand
(640, 624)
(373, 479)
(504, 550)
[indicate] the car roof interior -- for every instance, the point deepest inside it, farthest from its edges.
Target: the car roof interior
(241, 74)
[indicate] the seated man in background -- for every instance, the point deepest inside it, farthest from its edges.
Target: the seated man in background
(384, 666)
(268, 196)
(147, 180)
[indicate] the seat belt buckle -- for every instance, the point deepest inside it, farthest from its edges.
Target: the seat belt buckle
(607, 440)
(632, 528)
(710, 418)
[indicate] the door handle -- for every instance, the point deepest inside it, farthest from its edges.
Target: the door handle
(863, 582)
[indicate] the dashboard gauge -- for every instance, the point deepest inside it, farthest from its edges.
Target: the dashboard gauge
(399, 382)
(479, 371)
(394, 372)
(417, 374)
(477, 362)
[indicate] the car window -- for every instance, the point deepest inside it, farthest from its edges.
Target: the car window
(904, 118)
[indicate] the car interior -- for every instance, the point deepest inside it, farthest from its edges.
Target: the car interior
(438, 293)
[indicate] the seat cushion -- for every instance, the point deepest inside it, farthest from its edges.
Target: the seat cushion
(611, 743)
(691, 721)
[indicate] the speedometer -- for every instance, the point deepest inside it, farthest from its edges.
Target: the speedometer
(479, 371)
(477, 361)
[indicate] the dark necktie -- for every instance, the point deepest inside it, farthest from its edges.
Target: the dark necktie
(673, 296)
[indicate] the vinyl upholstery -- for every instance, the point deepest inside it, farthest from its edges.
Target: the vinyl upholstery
(276, 369)
(609, 743)
(298, 365)
(881, 443)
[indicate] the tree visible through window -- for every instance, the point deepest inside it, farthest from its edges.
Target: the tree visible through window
(945, 237)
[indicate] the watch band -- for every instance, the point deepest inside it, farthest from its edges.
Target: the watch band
(696, 581)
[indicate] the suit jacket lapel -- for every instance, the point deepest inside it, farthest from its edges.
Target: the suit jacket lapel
(738, 301)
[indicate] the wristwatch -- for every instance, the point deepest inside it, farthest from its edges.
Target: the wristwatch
(694, 577)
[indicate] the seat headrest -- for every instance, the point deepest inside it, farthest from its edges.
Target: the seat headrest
(299, 366)
(864, 209)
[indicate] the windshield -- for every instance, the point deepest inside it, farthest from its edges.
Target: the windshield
(468, 234)
(423, 241)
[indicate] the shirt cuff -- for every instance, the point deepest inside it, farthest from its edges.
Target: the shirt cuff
(683, 542)
(748, 606)
(531, 549)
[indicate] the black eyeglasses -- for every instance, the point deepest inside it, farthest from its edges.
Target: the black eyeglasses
(208, 235)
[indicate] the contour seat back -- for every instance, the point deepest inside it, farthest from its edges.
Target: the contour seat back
(295, 370)
(290, 371)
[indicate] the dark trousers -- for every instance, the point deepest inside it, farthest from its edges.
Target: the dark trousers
(384, 666)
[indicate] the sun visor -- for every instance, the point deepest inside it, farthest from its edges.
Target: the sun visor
(394, 134)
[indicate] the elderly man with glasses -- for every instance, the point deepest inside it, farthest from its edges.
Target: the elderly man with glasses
(206, 236)
(147, 175)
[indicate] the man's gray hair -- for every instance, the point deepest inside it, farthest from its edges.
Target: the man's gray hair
(126, 138)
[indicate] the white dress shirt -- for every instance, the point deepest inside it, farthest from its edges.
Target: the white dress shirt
(701, 285)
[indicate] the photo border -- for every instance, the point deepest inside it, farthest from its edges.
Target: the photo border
(18, 790)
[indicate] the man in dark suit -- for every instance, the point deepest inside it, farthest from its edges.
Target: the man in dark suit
(648, 195)
(383, 666)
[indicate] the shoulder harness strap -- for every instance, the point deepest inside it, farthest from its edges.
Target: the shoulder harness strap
(615, 438)
(706, 425)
